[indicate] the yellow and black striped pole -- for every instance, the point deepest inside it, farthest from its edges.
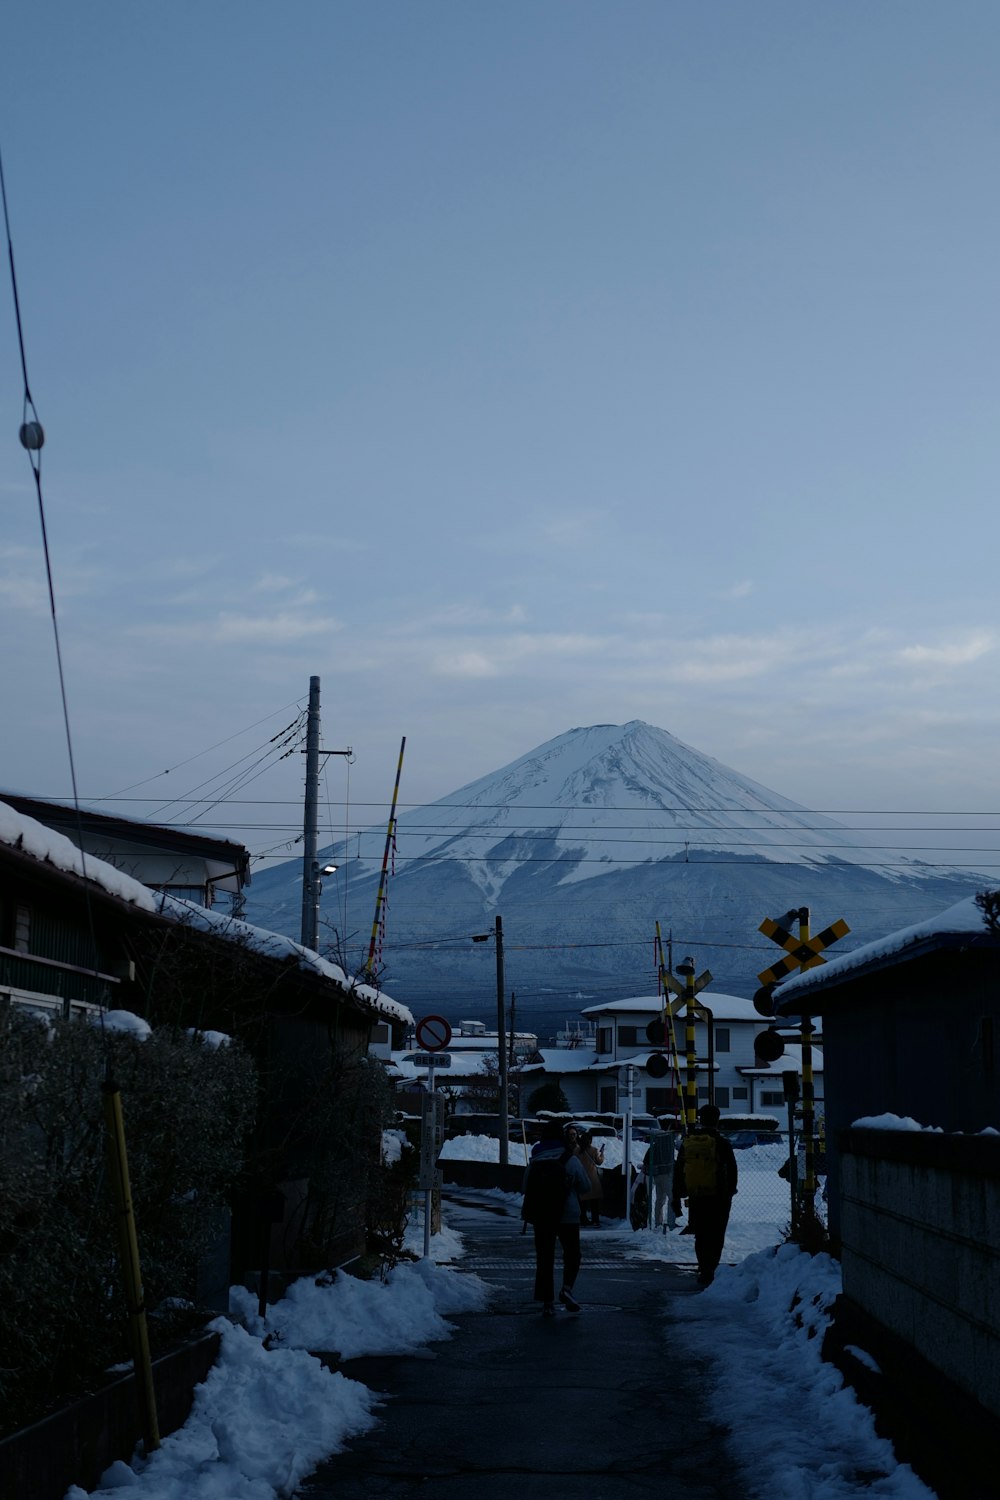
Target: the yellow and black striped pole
(380, 898)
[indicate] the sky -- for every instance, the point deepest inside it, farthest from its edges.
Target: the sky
(266, 1417)
(511, 368)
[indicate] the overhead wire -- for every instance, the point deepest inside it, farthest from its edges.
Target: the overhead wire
(32, 437)
(120, 796)
(281, 739)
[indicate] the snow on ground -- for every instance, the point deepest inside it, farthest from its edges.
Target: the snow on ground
(266, 1416)
(761, 1208)
(792, 1419)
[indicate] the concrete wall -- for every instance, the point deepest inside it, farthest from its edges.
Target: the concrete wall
(920, 1247)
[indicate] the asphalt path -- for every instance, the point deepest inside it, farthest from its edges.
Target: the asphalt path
(598, 1405)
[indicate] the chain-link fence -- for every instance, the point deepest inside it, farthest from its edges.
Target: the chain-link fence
(762, 1211)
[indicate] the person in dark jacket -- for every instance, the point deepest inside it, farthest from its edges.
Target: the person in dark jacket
(707, 1158)
(553, 1182)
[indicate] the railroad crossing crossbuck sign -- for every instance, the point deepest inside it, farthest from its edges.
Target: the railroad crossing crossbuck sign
(803, 952)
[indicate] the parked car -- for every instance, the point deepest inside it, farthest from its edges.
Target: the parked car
(740, 1139)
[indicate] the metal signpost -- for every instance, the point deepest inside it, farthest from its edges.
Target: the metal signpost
(433, 1034)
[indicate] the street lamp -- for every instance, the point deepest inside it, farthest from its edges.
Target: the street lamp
(484, 937)
(318, 871)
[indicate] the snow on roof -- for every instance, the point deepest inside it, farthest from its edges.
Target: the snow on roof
(565, 1059)
(723, 1007)
(276, 945)
(789, 1061)
(962, 919)
(18, 831)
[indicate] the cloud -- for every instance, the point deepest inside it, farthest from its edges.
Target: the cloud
(465, 664)
(25, 594)
(571, 530)
(467, 614)
(279, 629)
(269, 583)
(958, 654)
(737, 590)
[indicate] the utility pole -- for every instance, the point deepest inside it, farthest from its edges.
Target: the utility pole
(312, 875)
(484, 937)
(501, 1046)
(310, 821)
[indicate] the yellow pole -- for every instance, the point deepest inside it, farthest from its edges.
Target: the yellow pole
(131, 1269)
(808, 1096)
(369, 968)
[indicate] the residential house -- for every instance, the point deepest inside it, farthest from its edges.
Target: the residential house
(189, 865)
(78, 936)
(596, 1078)
(911, 1025)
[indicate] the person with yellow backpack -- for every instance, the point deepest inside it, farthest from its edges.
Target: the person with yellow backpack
(705, 1173)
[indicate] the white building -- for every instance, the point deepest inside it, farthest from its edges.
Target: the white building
(594, 1078)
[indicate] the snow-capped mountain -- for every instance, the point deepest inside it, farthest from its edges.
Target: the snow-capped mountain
(582, 845)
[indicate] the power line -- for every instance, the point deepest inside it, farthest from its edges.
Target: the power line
(760, 811)
(120, 797)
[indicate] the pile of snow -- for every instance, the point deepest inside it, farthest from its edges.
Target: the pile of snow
(266, 1416)
(351, 1317)
(785, 1411)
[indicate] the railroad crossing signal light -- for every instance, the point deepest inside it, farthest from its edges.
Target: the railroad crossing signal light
(768, 1046)
(763, 1000)
(656, 1034)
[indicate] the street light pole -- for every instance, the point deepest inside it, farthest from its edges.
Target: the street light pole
(501, 1046)
(484, 937)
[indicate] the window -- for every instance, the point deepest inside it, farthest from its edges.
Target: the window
(703, 1092)
(380, 1033)
(722, 1039)
(604, 1039)
(722, 1096)
(22, 929)
(740, 1094)
(663, 1099)
(772, 1098)
(628, 1036)
(608, 1098)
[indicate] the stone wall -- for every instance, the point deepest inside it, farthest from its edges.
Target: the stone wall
(920, 1247)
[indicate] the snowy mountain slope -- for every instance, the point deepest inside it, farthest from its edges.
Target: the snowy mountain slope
(582, 845)
(618, 793)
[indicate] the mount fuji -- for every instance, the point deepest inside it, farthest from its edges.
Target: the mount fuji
(582, 845)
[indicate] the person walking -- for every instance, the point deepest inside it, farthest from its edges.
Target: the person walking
(705, 1173)
(554, 1181)
(592, 1158)
(660, 1172)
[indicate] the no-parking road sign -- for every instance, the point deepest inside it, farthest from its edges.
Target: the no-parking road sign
(433, 1033)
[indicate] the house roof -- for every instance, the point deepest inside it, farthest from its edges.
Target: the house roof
(27, 837)
(723, 1007)
(959, 926)
(233, 857)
